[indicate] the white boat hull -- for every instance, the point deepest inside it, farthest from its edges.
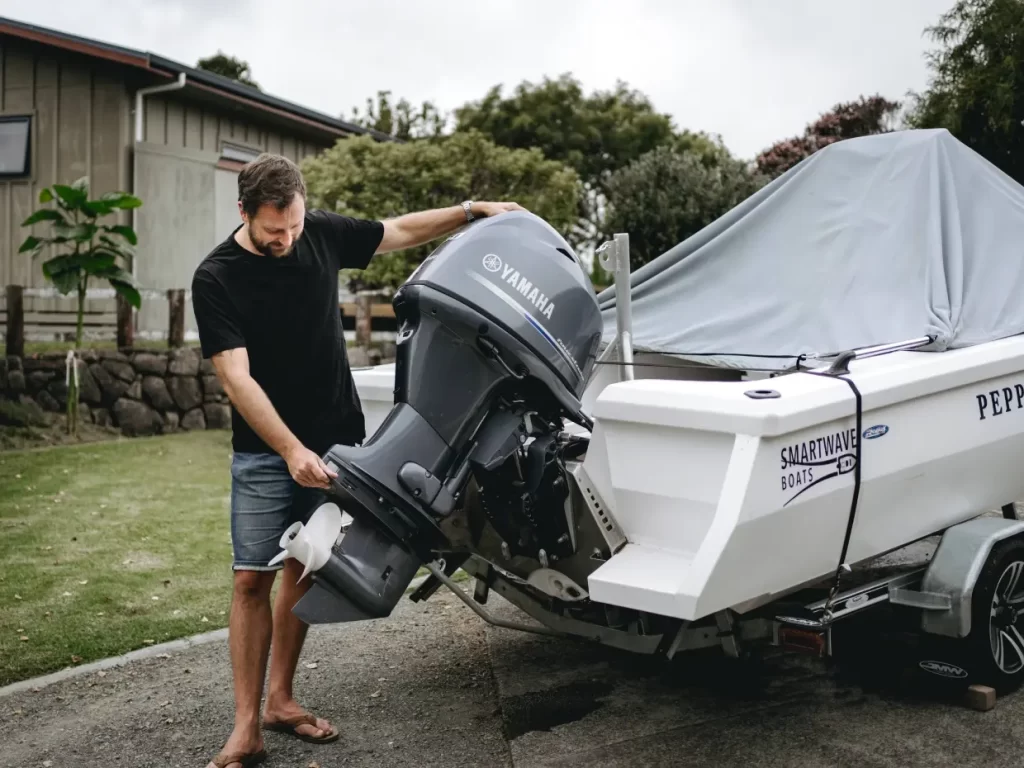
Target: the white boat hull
(727, 501)
(730, 502)
(376, 389)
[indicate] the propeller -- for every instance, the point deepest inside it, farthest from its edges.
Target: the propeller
(311, 543)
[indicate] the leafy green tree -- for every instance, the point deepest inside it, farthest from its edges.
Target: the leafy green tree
(847, 120)
(228, 66)
(595, 133)
(667, 195)
(401, 121)
(977, 87)
(85, 250)
(362, 177)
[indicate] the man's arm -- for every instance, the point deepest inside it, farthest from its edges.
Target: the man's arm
(223, 342)
(415, 229)
(248, 397)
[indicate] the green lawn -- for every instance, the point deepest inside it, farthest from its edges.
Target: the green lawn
(110, 546)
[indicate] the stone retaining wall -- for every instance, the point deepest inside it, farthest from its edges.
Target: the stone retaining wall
(144, 392)
(140, 393)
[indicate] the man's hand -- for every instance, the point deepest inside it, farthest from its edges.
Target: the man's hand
(493, 209)
(415, 229)
(308, 469)
(248, 397)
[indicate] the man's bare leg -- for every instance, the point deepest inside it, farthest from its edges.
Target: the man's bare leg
(289, 635)
(249, 633)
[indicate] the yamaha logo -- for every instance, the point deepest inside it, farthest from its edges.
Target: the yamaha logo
(520, 283)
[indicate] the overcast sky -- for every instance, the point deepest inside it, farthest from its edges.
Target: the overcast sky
(752, 71)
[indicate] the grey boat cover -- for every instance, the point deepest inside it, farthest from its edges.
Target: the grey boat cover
(873, 240)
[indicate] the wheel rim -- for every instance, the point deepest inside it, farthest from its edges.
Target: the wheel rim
(1007, 618)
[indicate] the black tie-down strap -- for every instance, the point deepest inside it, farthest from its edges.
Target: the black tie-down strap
(839, 371)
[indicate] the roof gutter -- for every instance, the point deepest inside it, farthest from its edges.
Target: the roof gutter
(139, 130)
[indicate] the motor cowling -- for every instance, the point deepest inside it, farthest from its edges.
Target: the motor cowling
(498, 331)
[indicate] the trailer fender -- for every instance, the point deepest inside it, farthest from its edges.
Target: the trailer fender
(953, 571)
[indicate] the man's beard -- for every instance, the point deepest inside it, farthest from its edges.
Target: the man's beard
(265, 248)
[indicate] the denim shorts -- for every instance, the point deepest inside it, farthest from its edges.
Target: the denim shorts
(265, 501)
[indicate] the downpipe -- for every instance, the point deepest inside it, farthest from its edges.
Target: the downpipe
(177, 85)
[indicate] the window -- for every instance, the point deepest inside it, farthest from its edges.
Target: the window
(15, 131)
(238, 153)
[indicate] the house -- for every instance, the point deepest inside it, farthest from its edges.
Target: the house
(134, 121)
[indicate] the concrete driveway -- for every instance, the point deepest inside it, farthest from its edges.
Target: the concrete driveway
(435, 686)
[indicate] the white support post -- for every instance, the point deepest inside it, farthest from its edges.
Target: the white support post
(614, 256)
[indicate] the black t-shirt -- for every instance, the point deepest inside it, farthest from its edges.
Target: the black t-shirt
(285, 312)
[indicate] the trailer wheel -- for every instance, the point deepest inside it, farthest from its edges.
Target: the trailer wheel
(995, 645)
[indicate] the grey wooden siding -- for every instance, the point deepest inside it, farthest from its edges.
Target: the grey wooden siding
(171, 121)
(80, 127)
(83, 125)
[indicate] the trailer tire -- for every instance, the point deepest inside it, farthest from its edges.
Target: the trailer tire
(994, 648)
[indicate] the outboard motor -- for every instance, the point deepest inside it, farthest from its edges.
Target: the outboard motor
(498, 331)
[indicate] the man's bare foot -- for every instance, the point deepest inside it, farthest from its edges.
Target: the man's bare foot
(244, 748)
(288, 717)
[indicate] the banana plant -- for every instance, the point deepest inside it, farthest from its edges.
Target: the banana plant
(84, 250)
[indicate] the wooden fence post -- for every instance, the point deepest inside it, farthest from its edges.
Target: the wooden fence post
(15, 321)
(125, 326)
(176, 317)
(364, 319)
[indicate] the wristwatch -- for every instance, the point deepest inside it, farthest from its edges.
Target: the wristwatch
(467, 206)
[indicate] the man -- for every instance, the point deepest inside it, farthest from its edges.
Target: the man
(266, 303)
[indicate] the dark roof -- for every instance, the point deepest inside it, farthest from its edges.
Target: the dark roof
(164, 67)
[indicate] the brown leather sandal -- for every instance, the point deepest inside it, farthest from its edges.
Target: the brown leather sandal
(245, 760)
(291, 724)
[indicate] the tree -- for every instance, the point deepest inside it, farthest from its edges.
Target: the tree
(667, 195)
(95, 252)
(228, 66)
(594, 133)
(847, 120)
(362, 177)
(400, 121)
(977, 87)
